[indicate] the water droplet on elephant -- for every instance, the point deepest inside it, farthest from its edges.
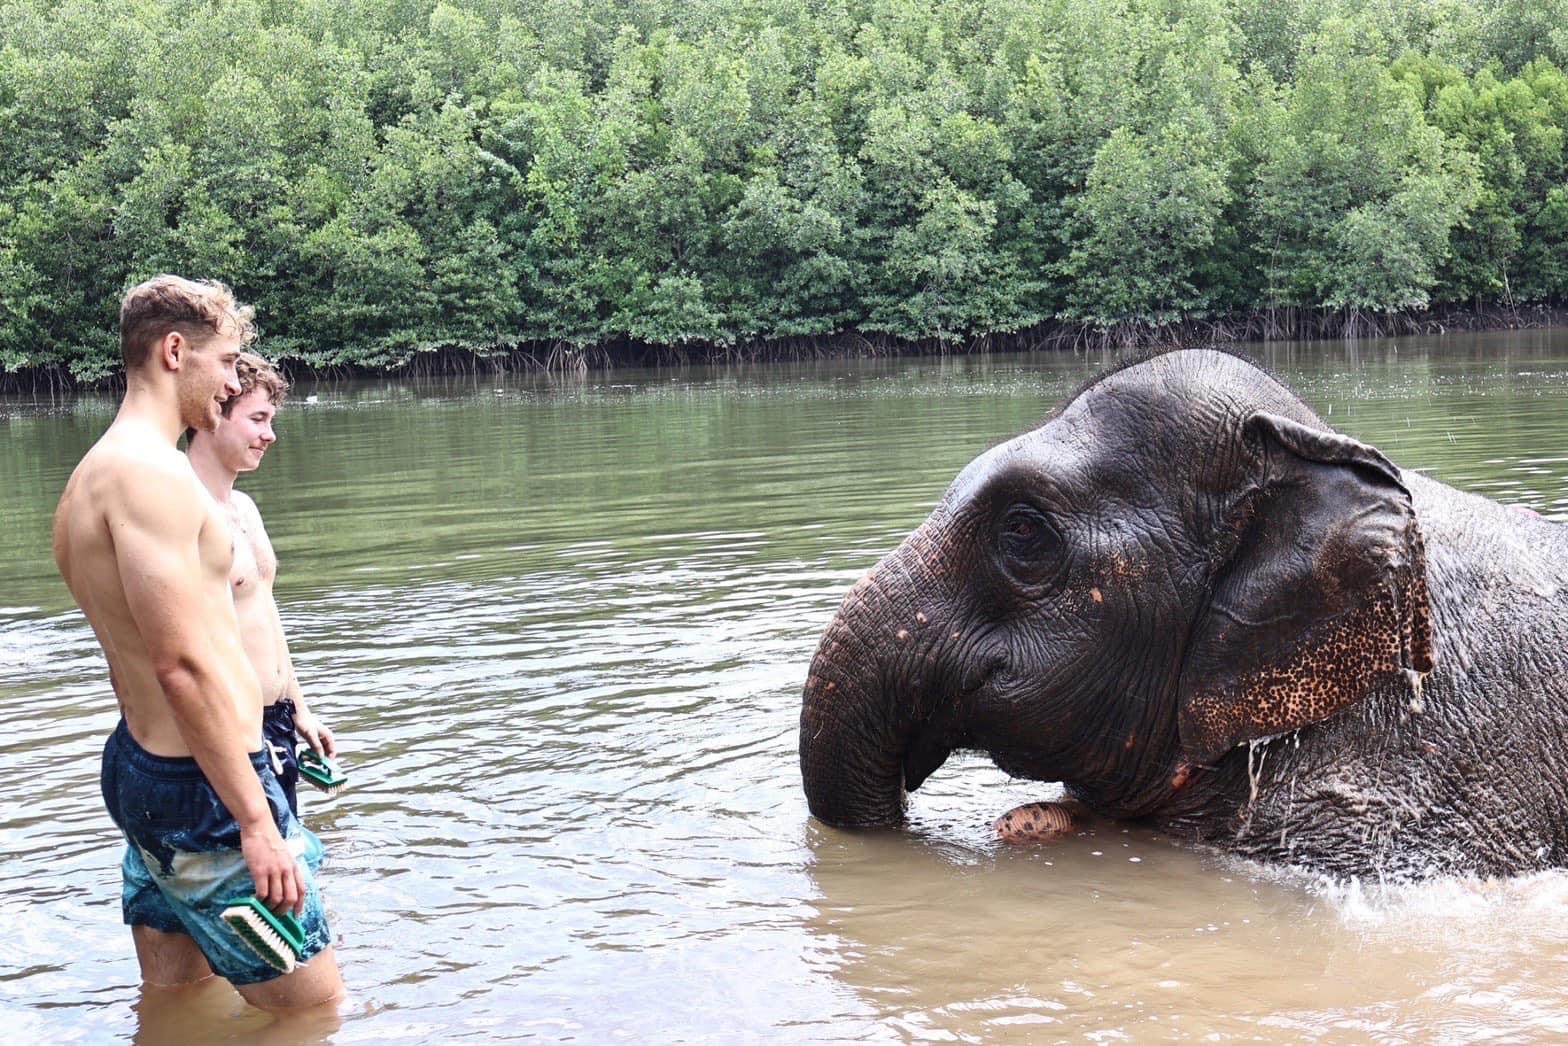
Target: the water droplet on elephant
(1417, 682)
(1255, 773)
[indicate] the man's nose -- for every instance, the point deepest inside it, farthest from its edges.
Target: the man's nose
(231, 384)
(267, 435)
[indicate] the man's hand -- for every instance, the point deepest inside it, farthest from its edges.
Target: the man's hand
(279, 884)
(316, 733)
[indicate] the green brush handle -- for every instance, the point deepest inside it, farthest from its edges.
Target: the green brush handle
(319, 770)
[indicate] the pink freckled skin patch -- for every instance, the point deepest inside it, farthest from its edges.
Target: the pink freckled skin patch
(1034, 823)
(1095, 595)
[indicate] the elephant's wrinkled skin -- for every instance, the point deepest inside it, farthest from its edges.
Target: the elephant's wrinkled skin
(1190, 601)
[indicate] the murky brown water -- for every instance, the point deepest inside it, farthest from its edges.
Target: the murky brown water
(562, 631)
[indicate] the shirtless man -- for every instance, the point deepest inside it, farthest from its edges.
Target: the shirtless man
(146, 552)
(218, 457)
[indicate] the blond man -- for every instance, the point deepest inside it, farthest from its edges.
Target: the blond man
(146, 553)
(237, 445)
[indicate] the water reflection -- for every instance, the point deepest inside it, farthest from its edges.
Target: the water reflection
(193, 1012)
(562, 630)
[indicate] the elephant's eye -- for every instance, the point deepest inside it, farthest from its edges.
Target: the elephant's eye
(1027, 541)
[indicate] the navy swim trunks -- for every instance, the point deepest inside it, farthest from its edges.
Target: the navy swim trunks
(277, 732)
(182, 860)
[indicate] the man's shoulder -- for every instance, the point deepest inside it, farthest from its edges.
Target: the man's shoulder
(116, 463)
(129, 447)
(136, 474)
(243, 509)
(244, 506)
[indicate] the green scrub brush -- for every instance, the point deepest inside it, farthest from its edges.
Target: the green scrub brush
(321, 772)
(277, 939)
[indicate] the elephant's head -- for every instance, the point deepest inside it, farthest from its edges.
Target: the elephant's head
(1181, 559)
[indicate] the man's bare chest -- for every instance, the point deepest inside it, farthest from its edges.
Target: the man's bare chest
(254, 565)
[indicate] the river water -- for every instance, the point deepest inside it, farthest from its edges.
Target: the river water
(561, 629)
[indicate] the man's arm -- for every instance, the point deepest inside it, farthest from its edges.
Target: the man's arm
(169, 593)
(316, 733)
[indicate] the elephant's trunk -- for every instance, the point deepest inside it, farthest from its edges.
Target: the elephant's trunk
(862, 710)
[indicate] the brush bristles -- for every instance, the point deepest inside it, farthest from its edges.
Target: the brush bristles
(262, 939)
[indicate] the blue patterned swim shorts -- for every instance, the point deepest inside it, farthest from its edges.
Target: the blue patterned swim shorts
(277, 733)
(182, 857)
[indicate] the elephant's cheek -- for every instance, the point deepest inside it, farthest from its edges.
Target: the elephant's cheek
(1034, 823)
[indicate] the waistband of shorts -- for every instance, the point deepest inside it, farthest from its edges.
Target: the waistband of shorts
(169, 767)
(283, 706)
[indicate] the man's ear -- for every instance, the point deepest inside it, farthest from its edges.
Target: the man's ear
(1323, 595)
(172, 349)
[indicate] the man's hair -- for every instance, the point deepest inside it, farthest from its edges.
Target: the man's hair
(257, 373)
(254, 373)
(198, 309)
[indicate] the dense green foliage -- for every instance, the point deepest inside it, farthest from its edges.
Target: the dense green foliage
(383, 177)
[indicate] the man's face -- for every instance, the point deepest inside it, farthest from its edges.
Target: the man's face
(207, 380)
(245, 432)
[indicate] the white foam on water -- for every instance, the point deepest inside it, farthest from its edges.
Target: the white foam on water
(1462, 911)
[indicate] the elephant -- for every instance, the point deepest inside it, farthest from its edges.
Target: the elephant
(1196, 606)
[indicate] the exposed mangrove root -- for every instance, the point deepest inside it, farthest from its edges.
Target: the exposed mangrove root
(566, 359)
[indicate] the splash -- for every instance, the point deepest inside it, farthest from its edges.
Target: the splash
(1465, 912)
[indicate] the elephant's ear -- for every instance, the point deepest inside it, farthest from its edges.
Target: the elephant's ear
(1322, 595)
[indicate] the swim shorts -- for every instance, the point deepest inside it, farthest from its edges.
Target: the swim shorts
(277, 732)
(182, 860)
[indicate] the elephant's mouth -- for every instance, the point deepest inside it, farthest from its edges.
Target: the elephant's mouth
(924, 755)
(942, 734)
